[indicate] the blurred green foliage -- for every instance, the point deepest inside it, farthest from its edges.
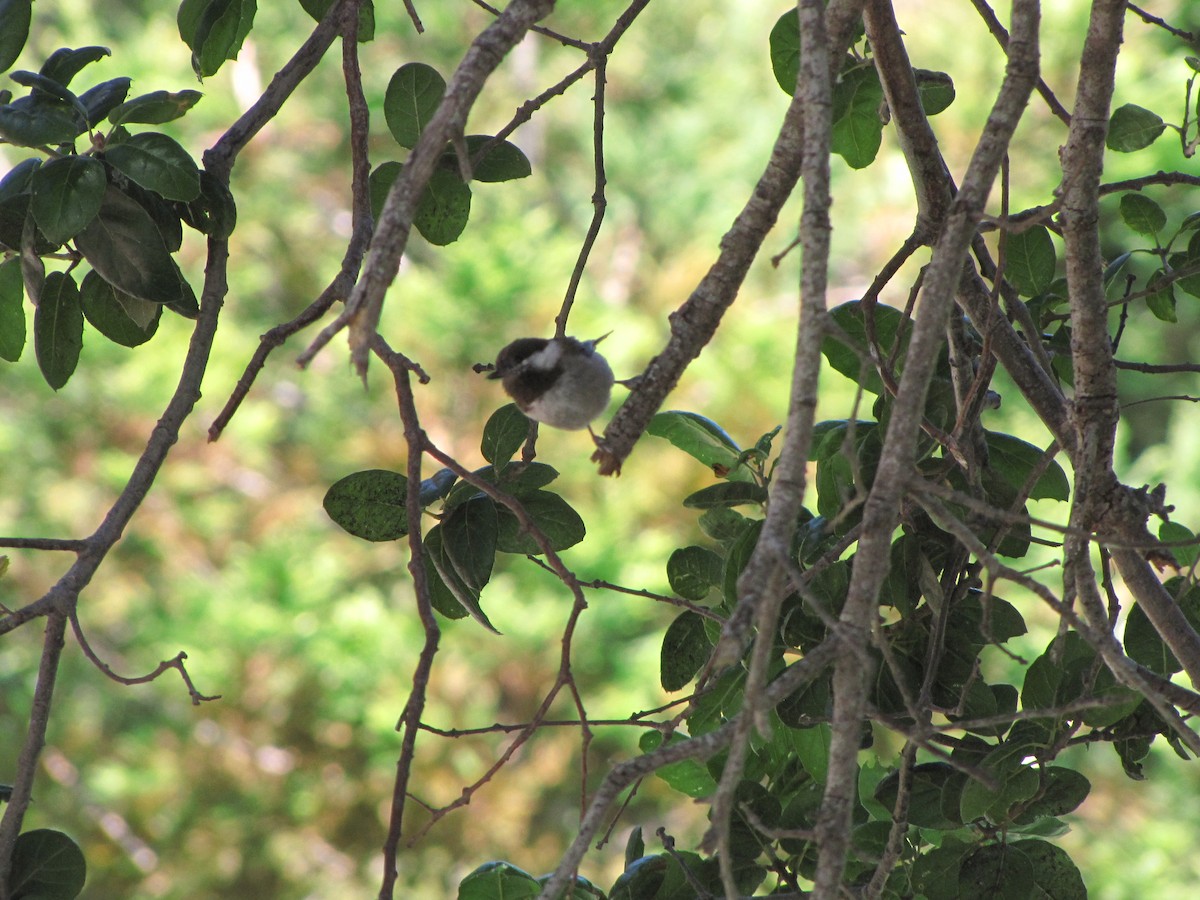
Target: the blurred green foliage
(281, 788)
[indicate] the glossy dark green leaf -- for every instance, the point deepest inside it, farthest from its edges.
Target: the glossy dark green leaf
(35, 121)
(157, 163)
(693, 571)
(998, 872)
(498, 881)
(728, 493)
(15, 16)
(469, 534)
(735, 561)
(48, 865)
(553, 515)
(1142, 214)
(702, 439)
(58, 329)
(12, 310)
(366, 16)
(412, 97)
(125, 246)
(857, 127)
(1030, 260)
(154, 108)
(1054, 873)
(935, 873)
(1132, 127)
(1063, 790)
(100, 100)
(936, 90)
(67, 193)
(926, 783)
(45, 87)
(685, 650)
(445, 206)
(65, 63)
(369, 504)
(503, 435)
(1014, 460)
(503, 162)
(123, 319)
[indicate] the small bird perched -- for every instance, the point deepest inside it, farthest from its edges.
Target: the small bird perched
(560, 381)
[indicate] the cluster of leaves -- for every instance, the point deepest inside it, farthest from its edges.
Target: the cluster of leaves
(859, 113)
(117, 205)
(472, 527)
(413, 94)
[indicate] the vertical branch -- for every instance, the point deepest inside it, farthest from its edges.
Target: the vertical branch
(881, 514)
(35, 740)
(765, 574)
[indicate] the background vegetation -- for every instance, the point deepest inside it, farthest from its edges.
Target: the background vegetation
(282, 787)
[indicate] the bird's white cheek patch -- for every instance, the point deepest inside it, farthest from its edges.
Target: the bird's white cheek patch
(546, 358)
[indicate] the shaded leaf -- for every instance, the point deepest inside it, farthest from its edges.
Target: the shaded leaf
(15, 16)
(504, 162)
(47, 864)
(854, 359)
(99, 101)
(214, 31)
(366, 16)
(157, 163)
(125, 246)
(1054, 874)
(438, 572)
(553, 515)
(412, 97)
(34, 121)
(369, 504)
(214, 212)
(469, 534)
(1142, 214)
(728, 493)
(685, 650)
(693, 571)
(66, 195)
(1014, 460)
(12, 310)
(380, 182)
(58, 329)
(936, 90)
(65, 63)
(123, 319)
(1160, 299)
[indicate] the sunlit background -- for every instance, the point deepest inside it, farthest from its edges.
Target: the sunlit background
(281, 789)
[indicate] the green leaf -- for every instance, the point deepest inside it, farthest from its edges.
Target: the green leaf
(1145, 645)
(1174, 533)
(735, 561)
(48, 865)
(685, 650)
(35, 121)
(727, 493)
(1014, 459)
(58, 329)
(214, 212)
(784, 44)
(67, 193)
(123, 319)
(15, 16)
(214, 30)
(369, 504)
(157, 163)
(366, 16)
(124, 245)
(498, 881)
(1133, 127)
(43, 87)
(1142, 214)
(936, 90)
(702, 439)
(1054, 874)
(688, 776)
(1161, 297)
(469, 534)
(154, 108)
(1030, 260)
(998, 872)
(552, 514)
(64, 63)
(412, 97)
(504, 162)
(444, 209)
(99, 101)
(437, 564)
(1062, 792)
(857, 126)
(380, 182)
(693, 571)
(854, 359)
(722, 524)
(12, 310)
(503, 435)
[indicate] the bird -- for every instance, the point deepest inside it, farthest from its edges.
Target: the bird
(560, 381)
